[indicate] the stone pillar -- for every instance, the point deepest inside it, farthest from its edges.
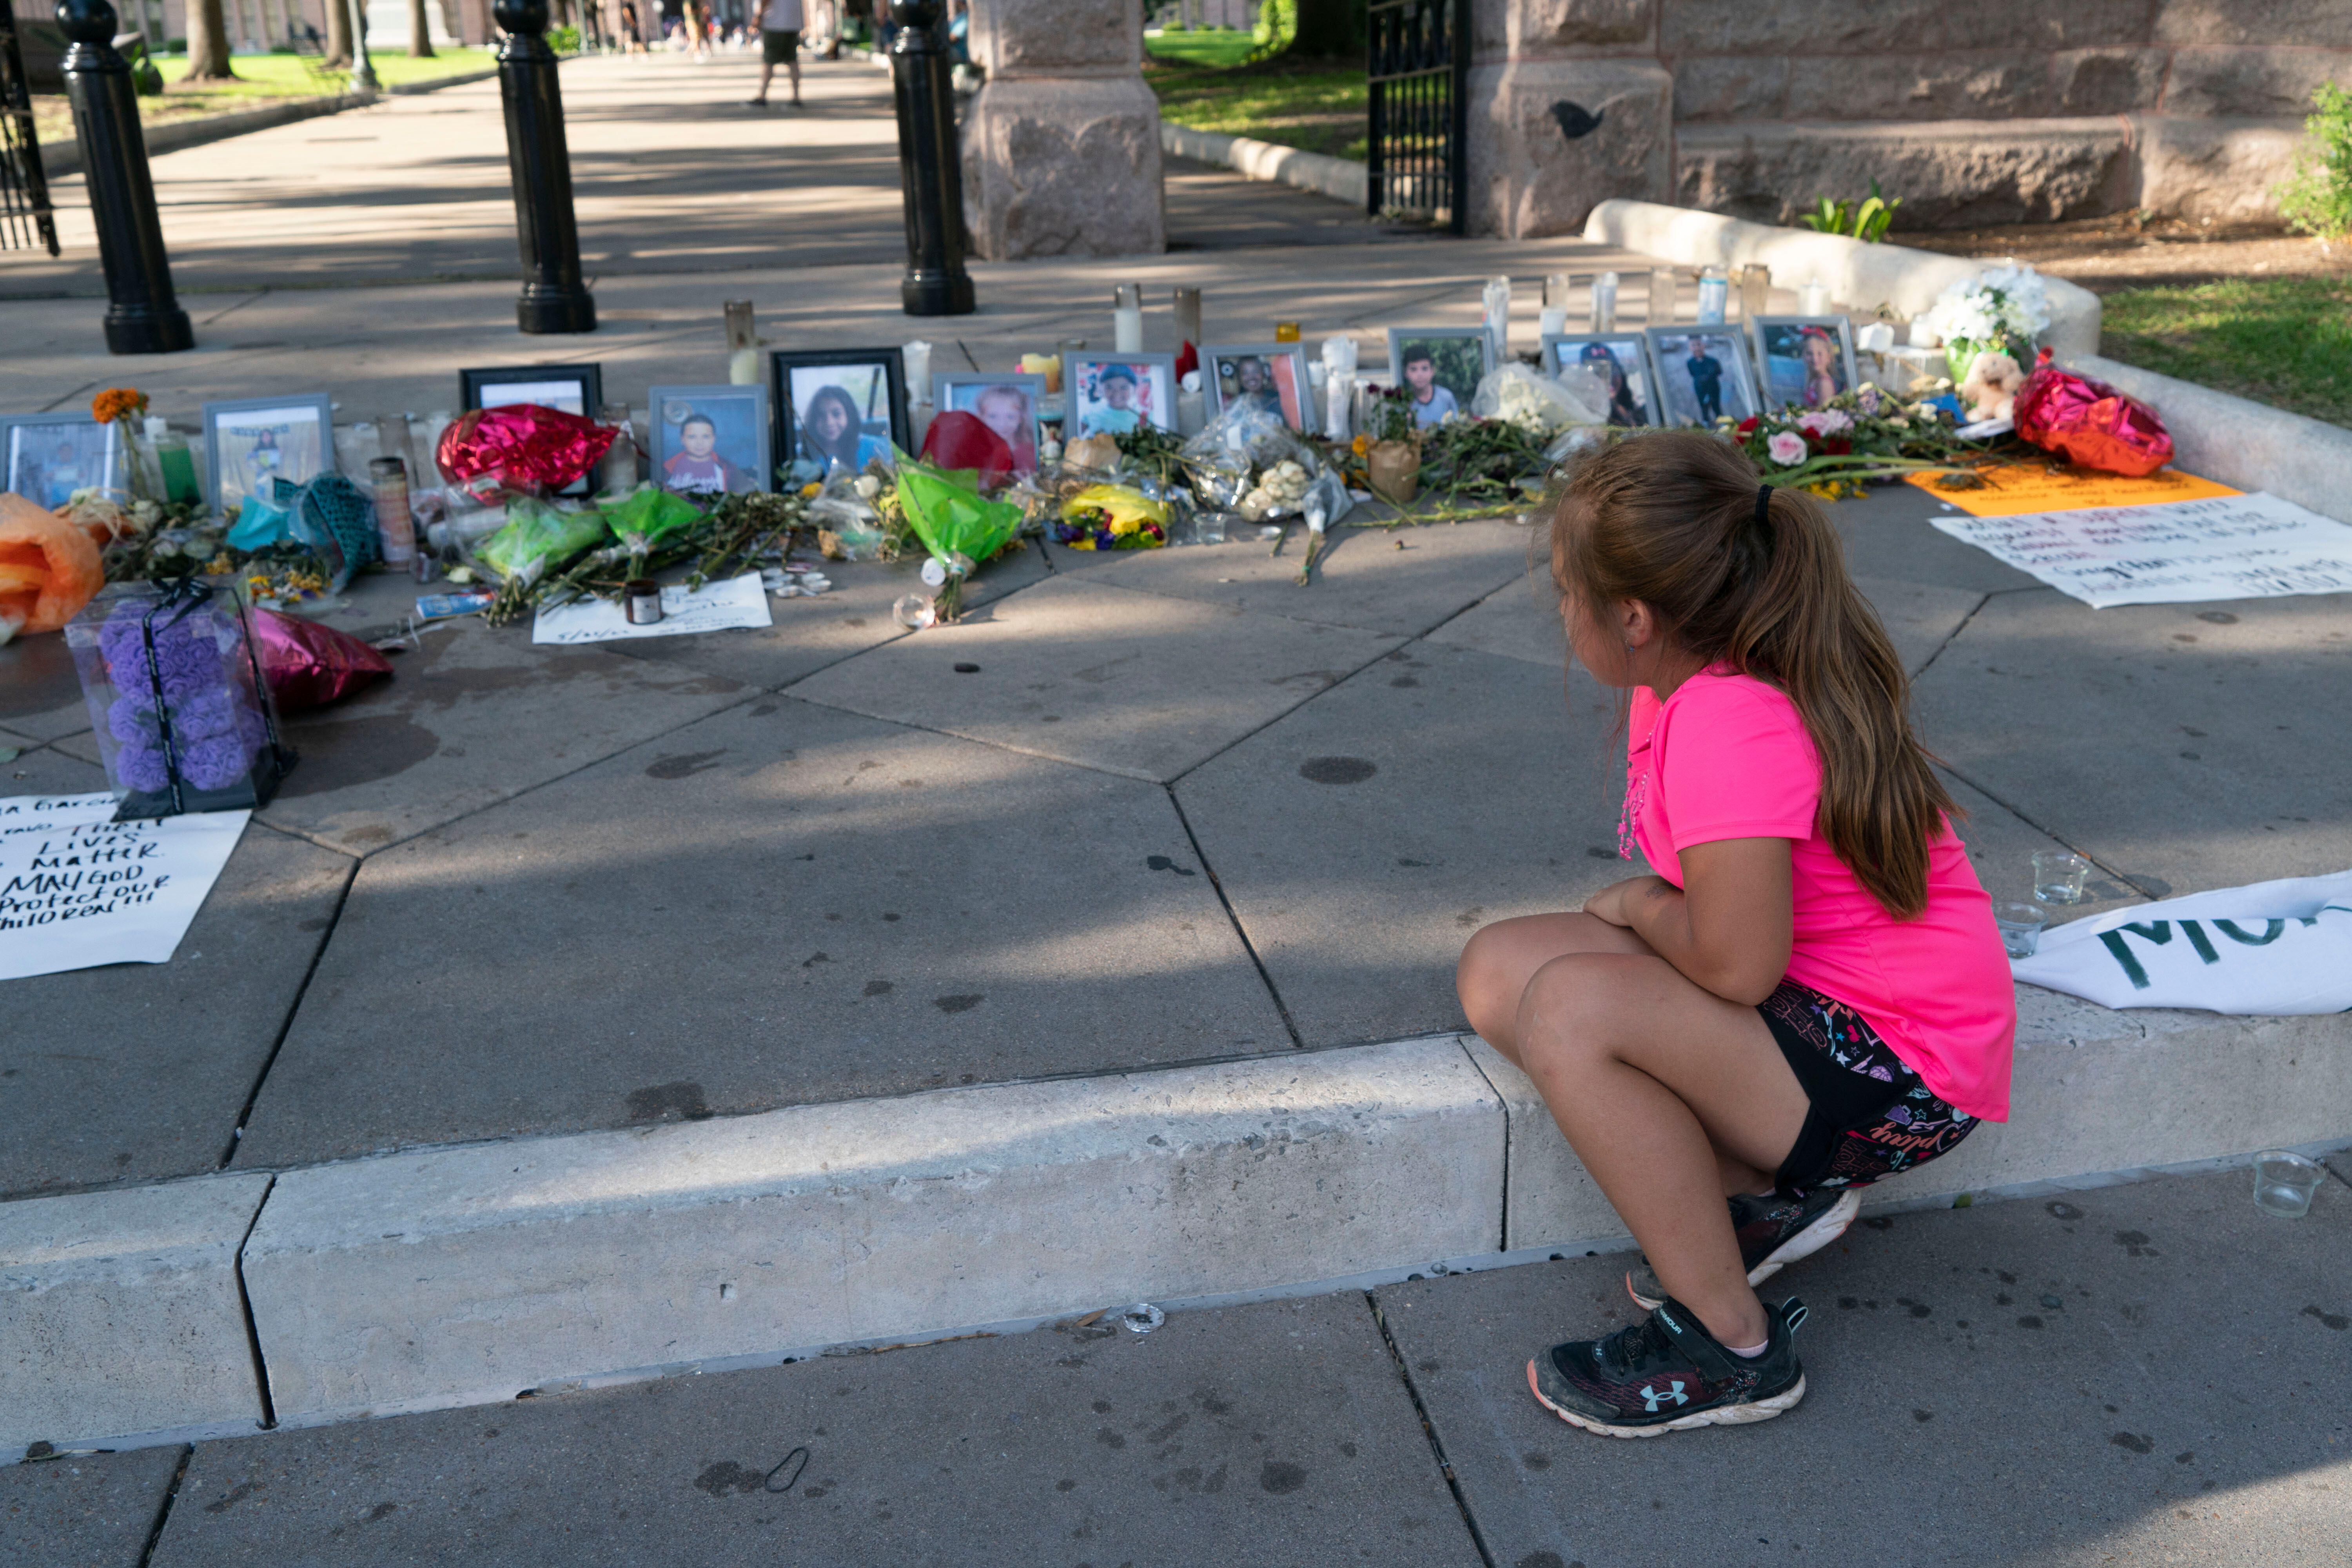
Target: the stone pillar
(1569, 107)
(1061, 149)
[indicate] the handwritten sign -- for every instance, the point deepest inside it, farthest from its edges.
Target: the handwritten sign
(2230, 547)
(719, 606)
(78, 889)
(2277, 947)
(2012, 490)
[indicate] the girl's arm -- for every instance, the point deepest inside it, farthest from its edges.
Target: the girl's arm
(1727, 928)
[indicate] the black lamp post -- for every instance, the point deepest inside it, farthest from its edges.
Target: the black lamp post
(555, 298)
(142, 314)
(929, 167)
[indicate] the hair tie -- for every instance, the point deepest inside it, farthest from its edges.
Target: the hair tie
(1763, 504)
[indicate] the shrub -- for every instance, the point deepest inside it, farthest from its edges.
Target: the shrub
(1866, 220)
(563, 40)
(2316, 197)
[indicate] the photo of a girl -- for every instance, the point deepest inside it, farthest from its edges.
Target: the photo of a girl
(1806, 360)
(832, 432)
(1620, 364)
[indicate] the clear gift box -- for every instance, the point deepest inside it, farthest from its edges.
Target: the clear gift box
(177, 699)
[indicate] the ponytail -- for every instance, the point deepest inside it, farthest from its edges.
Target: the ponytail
(1755, 578)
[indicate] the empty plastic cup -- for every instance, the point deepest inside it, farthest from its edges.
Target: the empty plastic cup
(2021, 928)
(2058, 877)
(2283, 1183)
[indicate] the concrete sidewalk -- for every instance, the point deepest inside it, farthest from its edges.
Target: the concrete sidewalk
(2055, 1384)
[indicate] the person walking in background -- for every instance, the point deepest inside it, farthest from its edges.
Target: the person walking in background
(779, 45)
(632, 36)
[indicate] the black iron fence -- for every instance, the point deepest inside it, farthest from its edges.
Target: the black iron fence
(25, 217)
(1417, 65)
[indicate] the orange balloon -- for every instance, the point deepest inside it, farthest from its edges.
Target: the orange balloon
(48, 568)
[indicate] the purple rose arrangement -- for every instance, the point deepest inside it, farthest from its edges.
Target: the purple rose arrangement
(197, 676)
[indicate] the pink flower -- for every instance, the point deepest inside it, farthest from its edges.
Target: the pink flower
(1786, 448)
(1825, 422)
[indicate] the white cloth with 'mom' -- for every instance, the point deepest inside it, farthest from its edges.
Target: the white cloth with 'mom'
(2270, 947)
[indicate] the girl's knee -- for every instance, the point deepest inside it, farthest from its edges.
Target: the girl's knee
(1568, 1006)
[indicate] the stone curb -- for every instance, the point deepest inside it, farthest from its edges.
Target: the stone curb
(2241, 442)
(1334, 177)
(61, 158)
(473, 1274)
(1863, 276)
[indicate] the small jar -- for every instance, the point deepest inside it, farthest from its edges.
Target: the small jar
(641, 601)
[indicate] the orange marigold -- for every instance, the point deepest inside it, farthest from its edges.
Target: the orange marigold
(117, 403)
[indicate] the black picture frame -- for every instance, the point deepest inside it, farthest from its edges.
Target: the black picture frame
(590, 377)
(782, 363)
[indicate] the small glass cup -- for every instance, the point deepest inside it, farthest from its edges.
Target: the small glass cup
(2283, 1183)
(2021, 928)
(2058, 877)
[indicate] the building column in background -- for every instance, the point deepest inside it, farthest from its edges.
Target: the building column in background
(1061, 148)
(1570, 106)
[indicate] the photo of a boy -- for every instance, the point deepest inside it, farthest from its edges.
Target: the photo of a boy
(696, 467)
(1431, 403)
(1116, 414)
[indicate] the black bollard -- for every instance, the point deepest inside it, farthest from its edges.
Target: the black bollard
(555, 298)
(142, 314)
(929, 166)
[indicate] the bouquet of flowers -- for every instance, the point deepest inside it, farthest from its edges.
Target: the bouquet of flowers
(1112, 517)
(2000, 308)
(1858, 436)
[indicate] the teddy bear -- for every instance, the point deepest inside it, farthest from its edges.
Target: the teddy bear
(1991, 388)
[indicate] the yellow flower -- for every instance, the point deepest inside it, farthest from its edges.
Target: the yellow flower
(1126, 508)
(1125, 524)
(812, 490)
(1361, 444)
(117, 403)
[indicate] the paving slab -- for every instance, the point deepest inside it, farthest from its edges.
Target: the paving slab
(1277, 1433)
(2183, 747)
(779, 904)
(811, 634)
(461, 1276)
(40, 695)
(473, 716)
(1363, 839)
(1400, 582)
(92, 1510)
(139, 1071)
(1887, 536)
(2136, 1374)
(121, 1313)
(1139, 684)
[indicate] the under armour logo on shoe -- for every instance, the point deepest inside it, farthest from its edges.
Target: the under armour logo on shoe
(1652, 1399)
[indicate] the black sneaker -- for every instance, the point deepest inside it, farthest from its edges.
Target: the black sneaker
(1773, 1233)
(1669, 1374)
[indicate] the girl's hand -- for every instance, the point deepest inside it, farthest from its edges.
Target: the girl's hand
(1614, 902)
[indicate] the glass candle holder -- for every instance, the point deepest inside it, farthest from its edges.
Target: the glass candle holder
(2284, 1183)
(2058, 877)
(1285, 331)
(2021, 928)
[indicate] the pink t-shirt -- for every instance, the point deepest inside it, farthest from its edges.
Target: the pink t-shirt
(1727, 756)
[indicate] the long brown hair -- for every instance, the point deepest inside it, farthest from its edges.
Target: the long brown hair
(1671, 519)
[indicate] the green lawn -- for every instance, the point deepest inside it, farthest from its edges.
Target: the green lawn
(1315, 105)
(261, 78)
(1212, 47)
(2286, 342)
(284, 76)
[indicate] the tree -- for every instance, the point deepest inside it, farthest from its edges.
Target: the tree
(208, 43)
(1331, 30)
(420, 31)
(338, 33)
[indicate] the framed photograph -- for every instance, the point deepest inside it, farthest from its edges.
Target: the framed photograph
(255, 439)
(710, 441)
(1441, 368)
(1622, 359)
(573, 388)
(1006, 403)
(1110, 394)
(47, 456)
(1272, 376)
(840, 409)
(1804, 361)
(1703, 375)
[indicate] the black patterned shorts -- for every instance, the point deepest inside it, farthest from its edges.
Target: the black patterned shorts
(1869, 1115)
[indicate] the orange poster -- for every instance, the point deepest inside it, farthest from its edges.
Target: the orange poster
(2015, 489)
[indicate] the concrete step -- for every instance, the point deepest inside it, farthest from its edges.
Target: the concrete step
(478, 1273)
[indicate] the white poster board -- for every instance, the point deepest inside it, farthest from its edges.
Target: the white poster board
(720, 606)
(2280, 947)
(77, 890)
(2191, 552)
